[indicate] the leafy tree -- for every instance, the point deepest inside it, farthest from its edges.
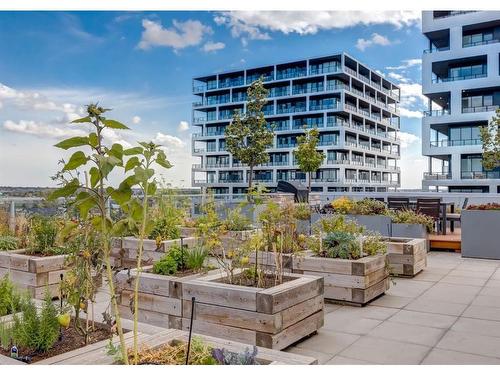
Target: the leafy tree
(92, 195)
(247, 136)
(490, 136)
(308, 158)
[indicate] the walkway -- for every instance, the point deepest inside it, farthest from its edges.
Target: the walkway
(448, 314)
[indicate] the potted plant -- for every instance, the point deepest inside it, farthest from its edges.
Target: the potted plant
(41, 262)
(352, 262)
(410, 224)
(479, 225)
(406, 256)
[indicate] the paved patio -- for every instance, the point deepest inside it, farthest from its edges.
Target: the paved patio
(448, 314)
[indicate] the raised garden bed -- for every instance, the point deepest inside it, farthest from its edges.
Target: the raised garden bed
(124, 250)
(70, 341)
(33, 273)
(480, 233)
(374, 223)
(160, 296)
(95, 354)
(274, 317)
(355, 281)
(406, 256)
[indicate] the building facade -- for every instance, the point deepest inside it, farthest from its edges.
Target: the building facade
(461, 79)
(354, 108)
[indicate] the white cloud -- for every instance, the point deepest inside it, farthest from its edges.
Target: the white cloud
(405, 64)
(376, 39)
(213, 46)
(407, 139)
(257, 24)
(405, 112)
(41, 129)
(136, 120)
(169, 141)
(183, 126)
(398, 77)
(181, 35)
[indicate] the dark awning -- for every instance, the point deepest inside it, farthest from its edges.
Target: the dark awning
(299, 190)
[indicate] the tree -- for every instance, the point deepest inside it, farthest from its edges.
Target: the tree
(308, 158)
(247, 136)
(490, 136)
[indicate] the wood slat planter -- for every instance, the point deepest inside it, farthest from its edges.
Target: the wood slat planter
(95, 354)
(33, 273)
(354, 281)
(267, 260)
(124, 250)
(272, 318)
(406, 256)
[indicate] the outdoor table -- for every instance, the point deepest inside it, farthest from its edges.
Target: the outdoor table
(444, 206)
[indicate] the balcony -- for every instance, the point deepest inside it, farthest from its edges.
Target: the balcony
(480, 175)
(436, 112)
(485, 108)
(323, 106)
(338, 161)
(291, 73)
(286, 145)
(231, 82)
(436, 49)
(437, 176)
(218, 165)
(324, 68)
(291, 109)
(456, 142)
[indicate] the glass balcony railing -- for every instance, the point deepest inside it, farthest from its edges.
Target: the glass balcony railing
(437, 176)
(240, 97)
(292, 109)
(485, 108)
(436, 49)
(456, 142)
(466, 44)
(231, 82)
(324, 68)
(291, 73)
(436, 112)
(458, 78)
(479, 175)
(287, 145)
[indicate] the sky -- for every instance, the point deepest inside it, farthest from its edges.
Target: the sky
(141, 65)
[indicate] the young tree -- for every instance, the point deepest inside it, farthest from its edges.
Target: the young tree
(490, 136)
(247, 136)
(308, 158)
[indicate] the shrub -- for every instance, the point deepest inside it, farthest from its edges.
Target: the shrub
(341, 245)
(165, 266)
(373, 245)
(165, 228)
(485, 207)
(337, 223)
(236, 221)
(302, 211)
(8, 243)
(368, 206)
(36, 331)
(176, 260)
(43, 236)
(412, 217)
(342, 205)
(10, 299)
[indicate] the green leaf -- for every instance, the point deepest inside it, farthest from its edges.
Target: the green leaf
(94, 177)
(161, 159)
(143, 174)
(67, 229)
(116, 150)
(76, 160)
(144, 144)
(151, 189)
(132, 163)
(85, 202)
(80, 120)
(73, 142)
(121, 195)
(93, 139)
(133, 151)
(65, 191)
(112, 124)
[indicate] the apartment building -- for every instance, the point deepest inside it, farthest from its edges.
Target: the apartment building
(354, 108)
(460, 78)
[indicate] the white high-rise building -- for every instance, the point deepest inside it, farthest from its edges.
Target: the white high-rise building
(353, 107)
(461, 79)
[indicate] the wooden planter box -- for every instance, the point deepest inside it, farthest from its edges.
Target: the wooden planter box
(480, 233)
(406, 256)
(188, 232)
(33, 273)
(272, 318)
(95, 354)
(354, 281)
(160, 296)
(124, 250)
(267, 260)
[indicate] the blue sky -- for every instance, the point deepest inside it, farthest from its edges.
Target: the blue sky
(141, 64)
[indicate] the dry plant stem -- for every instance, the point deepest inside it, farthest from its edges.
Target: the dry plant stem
(139, 270)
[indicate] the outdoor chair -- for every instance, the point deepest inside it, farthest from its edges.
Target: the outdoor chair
(455, 217)
(398, 204)
(431, 207)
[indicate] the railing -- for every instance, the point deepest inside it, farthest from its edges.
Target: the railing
(460, 78)
(201, 181)
(313, 70)
(291, 74)
(290, 109)
(436, 49)
(485, 108)
(253, 78)
(239, 98)
(198, 150)
(437, 112)
(456, 142)
(216, 133)
(480, 43)
(286, 145)
(323, 106)
(328, 143)
(338, 161)
(231, 82)
(325, 179)
(230, 180)
(437, 176)
(281, 92)
(455, 13)
(350, 71)
(351, 143)
(480, 175)
(218, 165)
